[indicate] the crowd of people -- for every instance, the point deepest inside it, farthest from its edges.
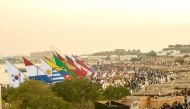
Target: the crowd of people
(133, 78)
(176, 105)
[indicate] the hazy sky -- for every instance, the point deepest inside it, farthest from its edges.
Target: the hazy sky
(87, 26)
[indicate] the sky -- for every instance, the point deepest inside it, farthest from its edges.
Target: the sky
(88, 26)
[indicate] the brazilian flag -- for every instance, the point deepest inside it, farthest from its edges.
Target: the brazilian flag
(63, 66)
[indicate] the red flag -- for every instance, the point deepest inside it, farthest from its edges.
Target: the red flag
(60, 57)
(27, 62)
(79, 72)
(70, 61)
(83, 65)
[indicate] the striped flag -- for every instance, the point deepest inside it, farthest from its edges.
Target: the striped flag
(58, 69)
(55, 75)
(35, 73)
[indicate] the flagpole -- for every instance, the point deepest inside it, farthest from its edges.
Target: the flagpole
(37, 71)
(52, 75)
(0, 98)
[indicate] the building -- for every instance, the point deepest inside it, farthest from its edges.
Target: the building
(107, 59)
(14, 59)
(93, 58)
(127, 57)
(114, 58)
(169, 53)
(110, 105)
(147, 102)
(135, 102)
(156, 103)
(96, 58)
(42, 54)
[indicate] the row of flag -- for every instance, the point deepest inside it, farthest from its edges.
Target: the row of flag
(50, 71)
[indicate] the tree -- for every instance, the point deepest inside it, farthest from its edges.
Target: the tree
(114, 93)
(120, 51)
(30, 91)
(27, 91)
(48, 102)
(151, 53)
(78, 91)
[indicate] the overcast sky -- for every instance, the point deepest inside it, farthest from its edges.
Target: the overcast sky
(87, 26)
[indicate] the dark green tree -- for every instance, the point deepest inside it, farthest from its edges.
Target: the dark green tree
(151, 54)
(78, 91)
(30, 91)
(27, 91)
(48, 102)
(114, 93)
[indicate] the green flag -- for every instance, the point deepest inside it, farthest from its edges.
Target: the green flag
(62, 65)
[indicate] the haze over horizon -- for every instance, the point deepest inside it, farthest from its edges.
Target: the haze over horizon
(88, 26)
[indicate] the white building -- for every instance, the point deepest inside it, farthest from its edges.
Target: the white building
(127, 57)
(169, 53)
(88, 57)
(97, 57)
(114, 57)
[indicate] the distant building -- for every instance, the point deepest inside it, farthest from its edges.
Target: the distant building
(94, 58)
(127, 57)
(13, 59)
(42, 54)
(168, 53)
(178, 46)
(84, 57)
(114, 57)
(100, 60)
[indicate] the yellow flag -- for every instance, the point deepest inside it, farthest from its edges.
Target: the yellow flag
(54, 66)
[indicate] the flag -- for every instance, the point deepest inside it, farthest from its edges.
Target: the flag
(71, 67)
(70, 61)
(51, 63)
(58, 69)
(79, 72)
(35, 73)
(60, 57)
(53, 74)
(15, 76)
(84, 66)
(46, 68)
(63, 66)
